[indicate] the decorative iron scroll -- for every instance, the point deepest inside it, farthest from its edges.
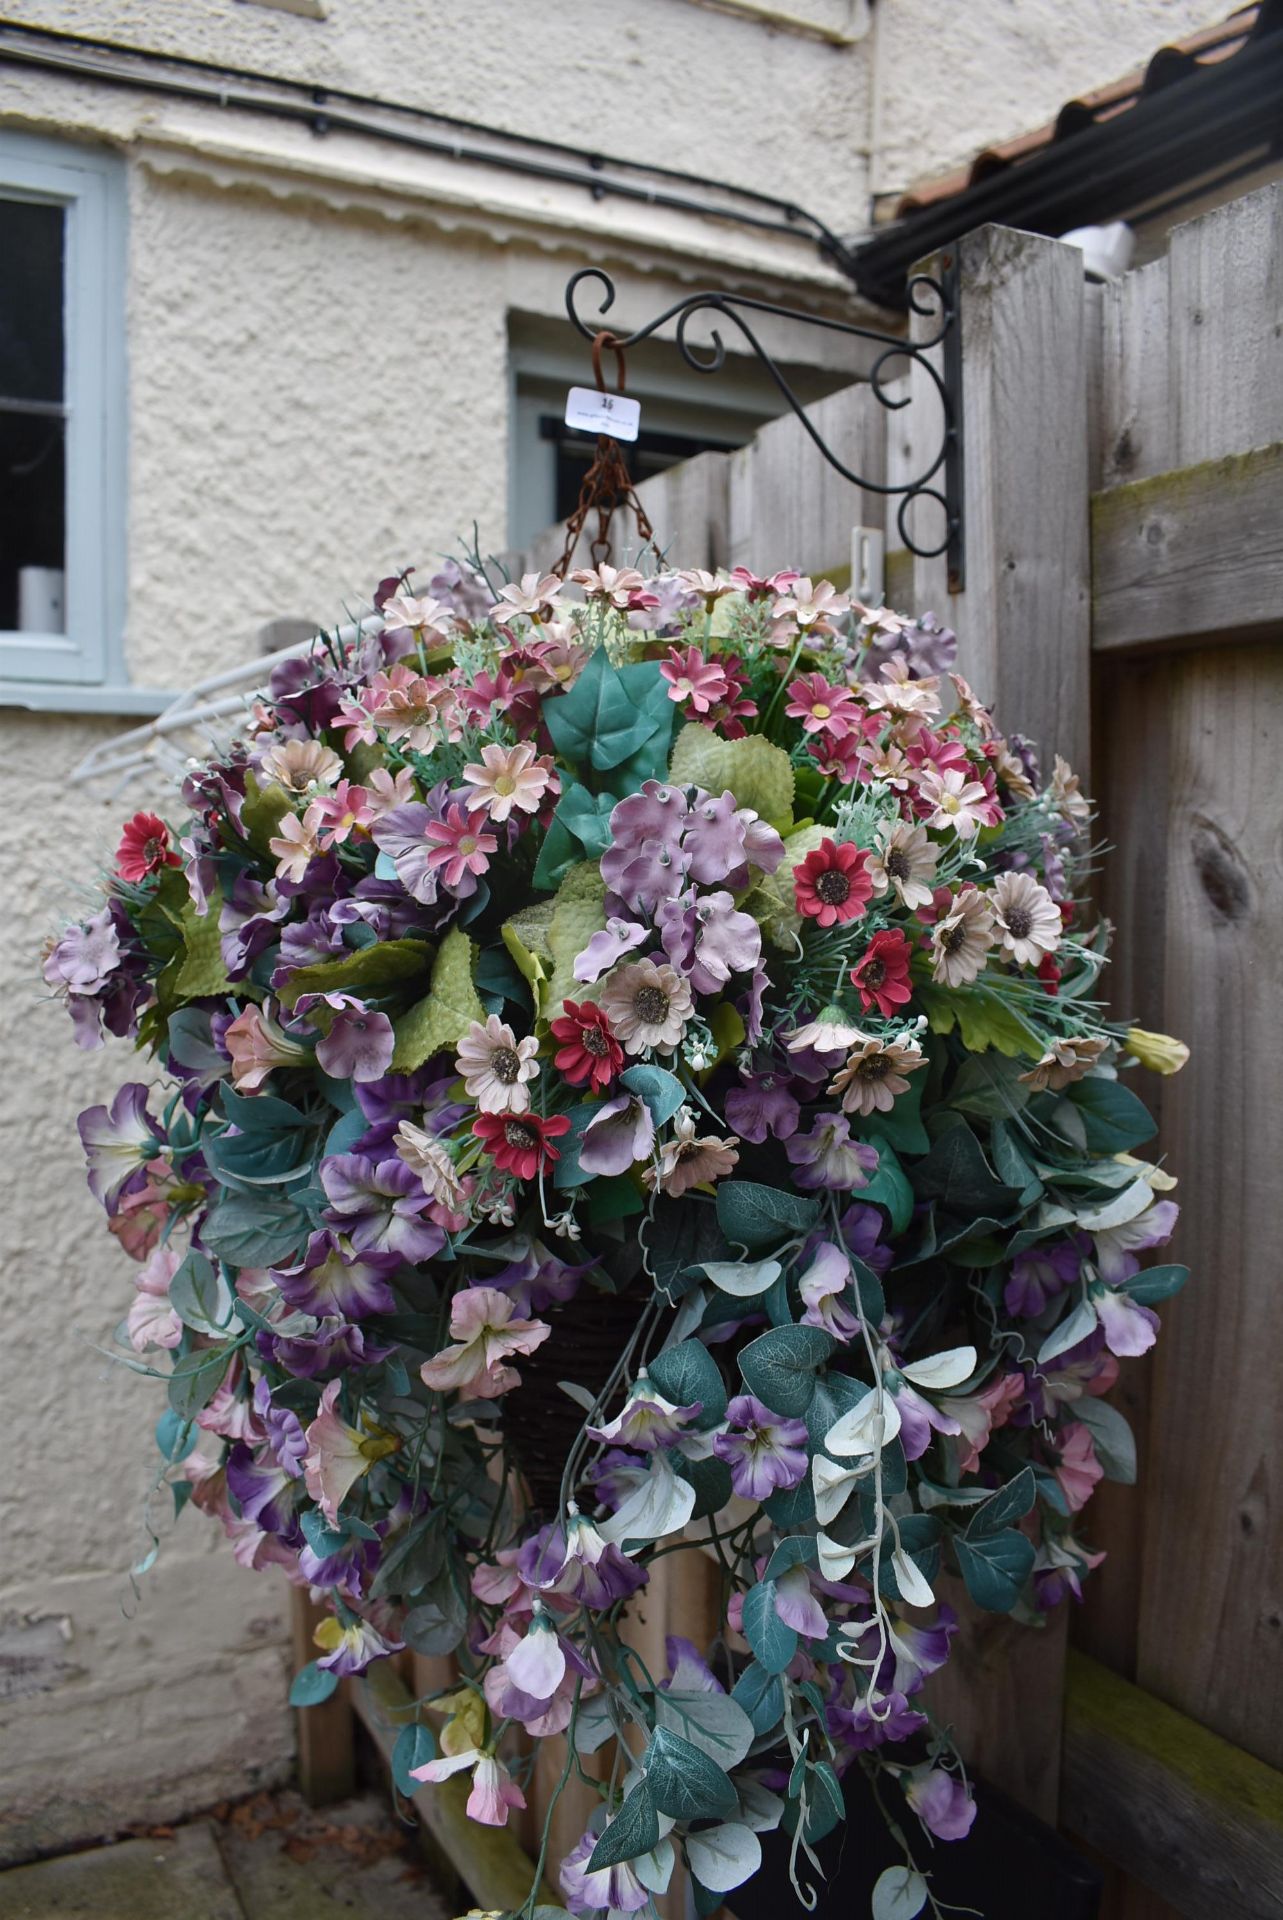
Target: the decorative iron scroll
(930, 297)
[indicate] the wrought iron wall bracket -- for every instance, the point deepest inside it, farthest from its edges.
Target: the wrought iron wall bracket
(939, 479)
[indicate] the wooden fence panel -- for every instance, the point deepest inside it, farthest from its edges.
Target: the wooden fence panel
(788, 508)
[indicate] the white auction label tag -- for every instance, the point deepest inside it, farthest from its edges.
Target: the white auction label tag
(595, 412)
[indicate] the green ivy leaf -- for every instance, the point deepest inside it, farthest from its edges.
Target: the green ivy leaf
(634, 1830)
(605, 718)
(365, 970)
(662, 1092)
(414, 1747)
(761, 1694)
(203, 973)
(444, 1016)
(684, 1782)
(311, 1685)
(1009, 1504)
(995, 1568)
(758, 1217)
(688, 1372)
(713, 1722)
(773, 1641)
(780, 1367)
(1114, 1120)
(1155, 1284)
(957, 1175)
(983, 1020)
(759, 774)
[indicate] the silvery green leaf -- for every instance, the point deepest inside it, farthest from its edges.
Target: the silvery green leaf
(1125, 1206)
(661, 1505)
(942, 1370)
(759, 1807)
(724, 1857)
(1113, 1439)
(914, 1590)
(593, 1725)
(580, 1395)
(744, 1279)
(871, 1424)
(655, 1869)
(899, 1894)
(1073, 1328)
(713, 1722)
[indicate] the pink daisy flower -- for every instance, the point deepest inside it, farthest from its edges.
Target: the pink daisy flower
(457, 846)
(693, 680)
(822, 707)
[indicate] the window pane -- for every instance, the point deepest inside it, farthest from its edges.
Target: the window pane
(31, 348)
(31, 522)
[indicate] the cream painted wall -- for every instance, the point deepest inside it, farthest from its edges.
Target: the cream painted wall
(318, 393)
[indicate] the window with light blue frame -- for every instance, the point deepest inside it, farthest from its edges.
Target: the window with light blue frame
(62, 426)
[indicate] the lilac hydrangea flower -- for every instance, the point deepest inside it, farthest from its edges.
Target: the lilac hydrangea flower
(608, 945)
(381, 1205)
(85, 955)
(726, 942)
(764, 1451)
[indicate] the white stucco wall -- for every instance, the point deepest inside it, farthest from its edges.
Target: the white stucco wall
(318, 394)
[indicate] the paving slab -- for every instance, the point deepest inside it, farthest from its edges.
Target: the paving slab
(180, 1878)
(288, 1861)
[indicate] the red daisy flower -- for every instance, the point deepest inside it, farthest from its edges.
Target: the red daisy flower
(590, 1055)
(144, 848)
(833, 884)
(1049, 974)
(521, 1143)
(882, 976)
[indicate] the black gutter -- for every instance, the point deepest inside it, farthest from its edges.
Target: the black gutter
(1180, 128)
(327, 109)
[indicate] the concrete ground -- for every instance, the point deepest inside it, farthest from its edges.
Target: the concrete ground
(269, 1858)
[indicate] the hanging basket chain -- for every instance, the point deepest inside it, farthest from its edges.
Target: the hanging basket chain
(607, 484)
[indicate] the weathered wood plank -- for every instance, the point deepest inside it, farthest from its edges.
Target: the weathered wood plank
(1002, 1695)
(1211, 1619)
(788, 507)
(326, 1756)
(1226, 342)
(490, 1860)
(1023, 620)
(1191, 555)
(1195, 1819)
(1135, 427)
(1024, 643)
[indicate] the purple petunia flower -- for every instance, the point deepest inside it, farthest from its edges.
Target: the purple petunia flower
(263, 1490)
(284, 1430)
(941, 1802)
(763, 1451)
(579, 1564)
(335, 1281)
(1038, 1275)
(620, 1133)
(828, 1157)
(763, 1105)
(331, 1346)
(381, 1205)
(118, 1142)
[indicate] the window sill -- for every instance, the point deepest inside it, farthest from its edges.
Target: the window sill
(47, 697)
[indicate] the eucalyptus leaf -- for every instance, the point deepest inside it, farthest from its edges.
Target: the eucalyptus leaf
(662, 1092)
(779, 1367)
(995, 1568)
(1075, 1326)
(713, 1722)
(312, 1685)
(1155, 1284)
(773, 1641)
(761, 1694)
(414, 1747)
(899, 1893)
(1009, 1504)
(195, 1379)
(687, 1373)
(743, 1279)
(1112, 1437)
(724, 1857)
(758, 1217)
(200, 1296)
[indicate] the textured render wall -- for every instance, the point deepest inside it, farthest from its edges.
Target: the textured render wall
(104, 1719)
(953, 76)
(319, 394)
(652, 80)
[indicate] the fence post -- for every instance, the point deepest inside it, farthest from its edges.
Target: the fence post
(1024, 643)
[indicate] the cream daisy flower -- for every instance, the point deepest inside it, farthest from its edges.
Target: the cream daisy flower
(690, 1160)
(875, 1073)
(496, 1066)
(534, 594)
(1068, 798)
(1064, 1062)
(1027, 918)
(429, 1159)
(647, 1006)
(953, 800)
(895, 693)
(301, 765)
(507, 777)
(962, 940)
(1012, 773)
(829, 1032)
(905, 859)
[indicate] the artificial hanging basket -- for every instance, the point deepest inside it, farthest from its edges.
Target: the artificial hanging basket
(632, 1076)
